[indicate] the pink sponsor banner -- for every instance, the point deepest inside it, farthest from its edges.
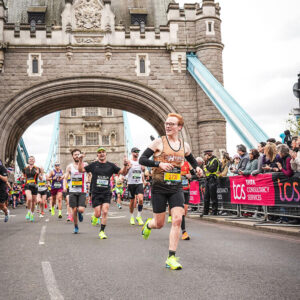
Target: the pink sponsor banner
(194, 192)
(252, 190)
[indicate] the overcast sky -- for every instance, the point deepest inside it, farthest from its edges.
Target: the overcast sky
(261, 61)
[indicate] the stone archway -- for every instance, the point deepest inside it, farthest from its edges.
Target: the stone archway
(42, 99)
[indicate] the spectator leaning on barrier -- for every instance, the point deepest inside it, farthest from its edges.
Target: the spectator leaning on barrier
(252, 163)
(270, 158)
(295, 161)
(261, 149)
(244, 158)
(285, 165)
(225, 164)
(211, 169)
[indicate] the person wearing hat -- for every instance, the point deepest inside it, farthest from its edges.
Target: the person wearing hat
(101, 171)
(244, 158)
(135, 186)
(211, 169)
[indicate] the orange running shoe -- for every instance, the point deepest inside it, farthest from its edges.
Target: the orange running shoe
(185, 236)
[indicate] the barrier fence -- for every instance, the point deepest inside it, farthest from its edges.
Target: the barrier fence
(264, 197)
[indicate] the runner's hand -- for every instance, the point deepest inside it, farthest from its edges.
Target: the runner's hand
(81, 156)
(166, 166)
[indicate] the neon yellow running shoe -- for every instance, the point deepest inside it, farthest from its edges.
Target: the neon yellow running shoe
(172, 263)
(31, 217)
(94, 220)
(132, 222)
(170, 219)
(140, 221)
(53, 211)
(28, 216)
(146, 231)
(102, 235)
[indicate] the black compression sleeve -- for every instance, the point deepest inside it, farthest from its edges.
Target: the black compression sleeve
(145, 161)
(190, 158)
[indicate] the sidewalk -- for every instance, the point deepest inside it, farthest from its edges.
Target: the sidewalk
(242, 223)
(249, 224)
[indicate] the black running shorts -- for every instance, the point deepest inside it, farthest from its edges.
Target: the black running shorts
(135, 189)
(43, 193)
(33, 189)
(77, 199)
(3, 197)
(160, 201)
(99, 199)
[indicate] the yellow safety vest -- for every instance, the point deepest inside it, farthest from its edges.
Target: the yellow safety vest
(213, 173)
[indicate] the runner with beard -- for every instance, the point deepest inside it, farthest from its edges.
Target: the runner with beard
(77, 188)
(101, 170)
(169, 153)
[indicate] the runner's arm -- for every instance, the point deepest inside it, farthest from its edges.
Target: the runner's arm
(191, 159)
(67, 174)
(81, 164)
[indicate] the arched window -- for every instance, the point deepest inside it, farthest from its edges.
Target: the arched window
(142, 65)
(35, 65)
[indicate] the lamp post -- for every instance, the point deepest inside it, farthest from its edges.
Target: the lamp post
(296, 91)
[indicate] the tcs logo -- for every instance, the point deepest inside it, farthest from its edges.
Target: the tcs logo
(288, 191)
(238, 191)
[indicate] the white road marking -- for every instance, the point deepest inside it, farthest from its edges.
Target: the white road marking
(42, 236)
(51, 282)
(47, 220)
(115, 217)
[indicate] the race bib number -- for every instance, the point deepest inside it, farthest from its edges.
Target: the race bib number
(185, 182)
(42, 183)
(136, 175)
(102, 181)
(172, 177)
(57, 185)
(119, 185)
(76, 182)
(31, 181)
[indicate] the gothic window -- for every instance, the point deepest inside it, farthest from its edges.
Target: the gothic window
(78, 140)
(210, 28)
(35, 65)
(142, 65)
(91, 111)
(92, 138)
(105, 140)
(36, 14)
(138, 19)
(73, 112)
(109, 112)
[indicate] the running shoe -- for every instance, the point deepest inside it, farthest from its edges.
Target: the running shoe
(28, 216)
(132, 222)
(6, 216)
(53, 211)
(76, 229)
(59, 214)
(185, 236)
(172, 263)
(140, 221)
(31, 218)
(102, 235)
(80, 216)
(41, 215)
(146, 231)
(69, 218)
(170, 219)
(119, 206)
(94, 220)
